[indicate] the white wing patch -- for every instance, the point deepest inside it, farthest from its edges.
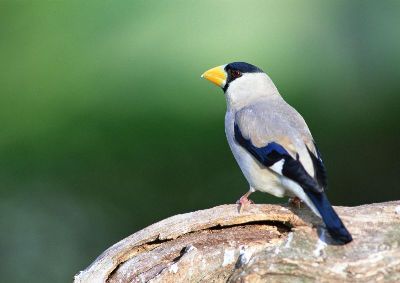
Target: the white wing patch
(277, 167)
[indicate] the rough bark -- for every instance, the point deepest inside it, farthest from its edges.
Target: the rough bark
(271, 243)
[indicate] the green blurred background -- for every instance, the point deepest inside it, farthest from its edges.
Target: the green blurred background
(106, 126)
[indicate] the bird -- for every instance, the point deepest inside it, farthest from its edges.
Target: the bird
(272, 143)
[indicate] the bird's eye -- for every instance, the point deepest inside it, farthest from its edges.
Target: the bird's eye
(235, 74)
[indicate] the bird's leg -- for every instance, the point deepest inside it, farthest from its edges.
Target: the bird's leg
(295, 202)
(244, 200)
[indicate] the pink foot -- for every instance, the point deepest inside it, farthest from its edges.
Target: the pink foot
(295, 202)
(243, 202)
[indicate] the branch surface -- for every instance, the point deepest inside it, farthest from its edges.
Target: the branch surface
(264, 242)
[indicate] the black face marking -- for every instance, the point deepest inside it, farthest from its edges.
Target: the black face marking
(237, 69)
(243, 67)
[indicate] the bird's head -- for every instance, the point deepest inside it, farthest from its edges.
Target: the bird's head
(241, 81)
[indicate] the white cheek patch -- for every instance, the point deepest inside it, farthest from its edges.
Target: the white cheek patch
(244, 84)
(248, 87)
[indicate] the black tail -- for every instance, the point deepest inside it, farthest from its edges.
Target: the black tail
(332, 221)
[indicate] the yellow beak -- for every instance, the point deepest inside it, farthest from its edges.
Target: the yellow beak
(216, 75)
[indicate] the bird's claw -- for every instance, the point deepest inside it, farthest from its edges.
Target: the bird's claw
(243, 202)
(295, 202)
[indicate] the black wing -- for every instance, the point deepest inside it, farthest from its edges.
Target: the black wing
(274, 152)
(319, 167)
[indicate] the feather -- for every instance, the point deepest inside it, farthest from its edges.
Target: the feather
(273, 152)
(292, 168)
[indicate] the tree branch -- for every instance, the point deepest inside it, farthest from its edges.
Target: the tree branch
(263, 242)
